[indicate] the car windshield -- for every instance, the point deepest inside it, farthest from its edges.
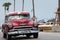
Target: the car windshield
(24, 16)
(18, 17)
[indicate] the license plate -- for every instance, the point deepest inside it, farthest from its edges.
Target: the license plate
(24, 32)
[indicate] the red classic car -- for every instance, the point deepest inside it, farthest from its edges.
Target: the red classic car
(19, 23)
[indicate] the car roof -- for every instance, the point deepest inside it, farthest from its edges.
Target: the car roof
(17, 13)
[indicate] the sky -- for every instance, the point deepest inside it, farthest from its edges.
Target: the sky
(44, 9)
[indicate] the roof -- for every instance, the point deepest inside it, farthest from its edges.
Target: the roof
(52, 20)
(12, 13)
(24, 12)
(17, 13)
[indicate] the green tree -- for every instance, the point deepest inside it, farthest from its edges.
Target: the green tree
(6, 6)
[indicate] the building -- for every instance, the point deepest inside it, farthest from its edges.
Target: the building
(56, 21)
(58, 14)
(51, 22)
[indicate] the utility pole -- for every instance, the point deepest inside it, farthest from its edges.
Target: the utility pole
(14, 5)
(22, 5)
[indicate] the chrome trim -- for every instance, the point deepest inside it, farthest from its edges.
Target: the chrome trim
(23, 26)
(23, 32)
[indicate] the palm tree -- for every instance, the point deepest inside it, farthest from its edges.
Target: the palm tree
(22, 5)
(33, 8)
(14, 5)
(34, 17)
(6, 6)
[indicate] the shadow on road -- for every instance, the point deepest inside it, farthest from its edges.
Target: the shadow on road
(23, 38)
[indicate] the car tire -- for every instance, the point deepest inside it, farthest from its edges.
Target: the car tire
(8, 37)
(35, 35)
(4, 35)
(28, 36)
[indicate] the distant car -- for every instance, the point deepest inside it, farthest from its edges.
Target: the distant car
(45, 27)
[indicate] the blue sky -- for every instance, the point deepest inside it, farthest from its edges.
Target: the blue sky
(44, 9)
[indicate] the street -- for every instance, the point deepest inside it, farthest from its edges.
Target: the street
(42, 36)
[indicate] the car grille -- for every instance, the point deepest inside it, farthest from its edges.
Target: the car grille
(22, 28)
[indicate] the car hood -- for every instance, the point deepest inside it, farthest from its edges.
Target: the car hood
(19, 22)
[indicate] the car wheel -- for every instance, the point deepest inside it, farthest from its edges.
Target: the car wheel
(8, 37)
(28, 36)
(4, 35)
(35, 35)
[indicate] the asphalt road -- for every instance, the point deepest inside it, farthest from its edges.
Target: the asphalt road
(42, 36)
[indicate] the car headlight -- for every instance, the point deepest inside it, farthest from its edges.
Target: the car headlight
(10, 25)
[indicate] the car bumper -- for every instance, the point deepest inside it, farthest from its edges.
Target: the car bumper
(23, 32)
